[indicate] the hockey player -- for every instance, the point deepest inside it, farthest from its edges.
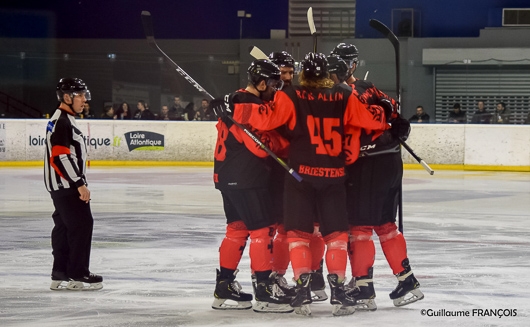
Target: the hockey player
(280, 261)
(338, 69)
(286, 63)
(373, 187)
(64, 177)
(318, 117)
(242, 175)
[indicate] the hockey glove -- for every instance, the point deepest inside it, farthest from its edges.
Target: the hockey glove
(400, 128)
(387, 107)
(222, 107)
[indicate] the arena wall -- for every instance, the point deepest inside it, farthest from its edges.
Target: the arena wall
(110, 142)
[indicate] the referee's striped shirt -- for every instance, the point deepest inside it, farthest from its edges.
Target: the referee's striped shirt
(65, 157)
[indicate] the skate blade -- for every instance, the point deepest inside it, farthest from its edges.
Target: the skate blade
(340, 310)
(366, 305)
(57, 285)
(319, 296)
(226, 304)
(303, 310)
(410, 297)
(80, 286)
(261, 306)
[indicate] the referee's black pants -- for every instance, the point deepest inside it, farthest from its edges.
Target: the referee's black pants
(72, 235)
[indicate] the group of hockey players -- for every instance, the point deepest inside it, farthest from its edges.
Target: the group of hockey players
(339, 133)
(342, 136)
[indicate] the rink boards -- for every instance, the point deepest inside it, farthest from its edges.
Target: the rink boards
(504, 147)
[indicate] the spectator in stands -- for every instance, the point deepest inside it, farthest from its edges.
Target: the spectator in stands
(87, 113)
(501, 115)
(457, 116)
(190, 112)
(204, 113)
(124, 111)
(481, 116)
(108, 112)
(420, 117)
(164, 113)
(527, 121)
(176, 112)
(143, 113)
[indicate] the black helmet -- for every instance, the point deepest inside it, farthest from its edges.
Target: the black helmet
(338, 67)
(282, 59)
(315, 65)
(264, 69)
(348, 52)
(72, 86)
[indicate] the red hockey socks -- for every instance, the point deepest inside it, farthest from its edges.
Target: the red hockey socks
(337, 253)
(280, 251)
(233, 245)
(362, 250)
(394, 246)
(299, 252)
(261, 248)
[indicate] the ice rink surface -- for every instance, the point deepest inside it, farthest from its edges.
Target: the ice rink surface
(156, 238)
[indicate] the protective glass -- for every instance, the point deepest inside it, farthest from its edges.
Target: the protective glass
(276, 84)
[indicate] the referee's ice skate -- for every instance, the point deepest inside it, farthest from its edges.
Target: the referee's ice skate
(228, 294)
(408, 289)
(59, 281)
(92, 282)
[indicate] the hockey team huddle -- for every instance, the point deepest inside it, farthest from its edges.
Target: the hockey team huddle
(341, 137)
(327, 174)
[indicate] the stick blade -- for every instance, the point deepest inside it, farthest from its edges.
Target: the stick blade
(147, 22)
(257, 53)
(311, 21)
(383, 29)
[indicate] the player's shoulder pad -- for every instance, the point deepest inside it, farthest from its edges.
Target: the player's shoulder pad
(343, 87)
(242, 96)
(363, 84)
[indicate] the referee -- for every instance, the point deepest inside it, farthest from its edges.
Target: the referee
(64, 176)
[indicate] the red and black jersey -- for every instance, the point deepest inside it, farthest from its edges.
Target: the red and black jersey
(375, 142)
(65, 157)
(323, 127)
(239, 162)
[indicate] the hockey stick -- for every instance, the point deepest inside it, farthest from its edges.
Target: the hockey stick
(395, 42)
(257, 53)
(383, 29)
(147, 22)
(423, 163)
(312, 28)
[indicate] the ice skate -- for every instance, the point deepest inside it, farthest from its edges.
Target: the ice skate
(228, 295)
(302, 300)
(270, 297)
(362, 289)
(59, 281)
(408, 288)
(286, 288)
(342, 302)
(91, 282)
(318, 285)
